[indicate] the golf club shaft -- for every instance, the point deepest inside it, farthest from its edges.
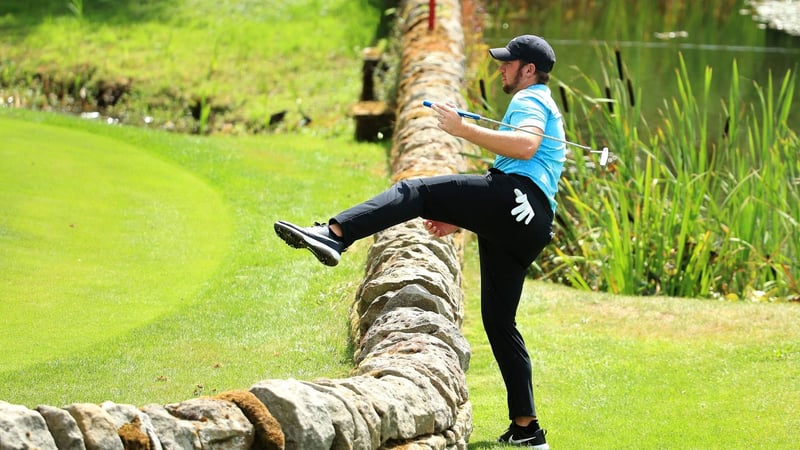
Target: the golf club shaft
(471, 115)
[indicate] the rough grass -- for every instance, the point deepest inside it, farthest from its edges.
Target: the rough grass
(645, 372)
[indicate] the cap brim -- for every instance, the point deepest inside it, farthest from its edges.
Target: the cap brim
(501, 54)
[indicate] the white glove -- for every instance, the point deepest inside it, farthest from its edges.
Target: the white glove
(523, 211)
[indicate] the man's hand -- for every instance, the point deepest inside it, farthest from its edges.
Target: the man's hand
(449, 120)
(523, 211)
(439, 229)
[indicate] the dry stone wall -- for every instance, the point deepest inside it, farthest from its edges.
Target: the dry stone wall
(408, 389)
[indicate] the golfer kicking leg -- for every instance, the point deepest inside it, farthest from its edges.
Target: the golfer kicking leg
(513, 220)
(511, 209)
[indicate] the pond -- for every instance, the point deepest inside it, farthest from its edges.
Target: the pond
(650, 35)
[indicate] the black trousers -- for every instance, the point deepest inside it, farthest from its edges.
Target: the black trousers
(481, 204)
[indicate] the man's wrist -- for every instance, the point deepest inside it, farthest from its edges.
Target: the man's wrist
(465, 131)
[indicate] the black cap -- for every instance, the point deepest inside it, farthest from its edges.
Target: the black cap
(528, 48)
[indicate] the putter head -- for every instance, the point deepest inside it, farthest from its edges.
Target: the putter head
(604, 156)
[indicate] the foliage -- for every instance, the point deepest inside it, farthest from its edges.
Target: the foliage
(679, 211)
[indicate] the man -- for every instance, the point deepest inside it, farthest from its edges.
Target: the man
(510, 209)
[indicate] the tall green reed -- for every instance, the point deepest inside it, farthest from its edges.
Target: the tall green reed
(76, 7)
(680, 212)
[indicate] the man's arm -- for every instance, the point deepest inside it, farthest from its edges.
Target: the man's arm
(512, 144)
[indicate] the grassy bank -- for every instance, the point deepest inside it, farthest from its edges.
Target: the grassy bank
(189, 65)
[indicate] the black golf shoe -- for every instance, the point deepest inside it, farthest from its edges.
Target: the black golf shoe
(524, 437)
(319, 239)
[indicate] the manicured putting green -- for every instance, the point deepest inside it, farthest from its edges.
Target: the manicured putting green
(97, 238)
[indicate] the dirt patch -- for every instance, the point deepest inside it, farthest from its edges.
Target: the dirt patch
(80, 90)
(269, 434)
(76, 90)
(132, 436)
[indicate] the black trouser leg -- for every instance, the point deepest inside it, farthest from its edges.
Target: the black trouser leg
(479, 203)
(456, 199)
(502, 277)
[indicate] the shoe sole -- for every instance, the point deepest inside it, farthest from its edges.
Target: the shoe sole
(293, 236)
(544, 446)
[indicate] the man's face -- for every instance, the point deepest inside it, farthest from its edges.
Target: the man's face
(511, 74)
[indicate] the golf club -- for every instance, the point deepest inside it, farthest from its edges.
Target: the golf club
(473, 116)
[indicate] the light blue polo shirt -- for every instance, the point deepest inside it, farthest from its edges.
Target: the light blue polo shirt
(534, 106)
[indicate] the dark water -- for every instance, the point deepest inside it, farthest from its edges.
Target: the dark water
(650, 35)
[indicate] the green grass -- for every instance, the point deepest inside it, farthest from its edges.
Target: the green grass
(644, 372)
(88, 221)
(172, 282)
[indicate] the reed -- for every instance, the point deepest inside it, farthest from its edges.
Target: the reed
(682, 211)
(76, 8)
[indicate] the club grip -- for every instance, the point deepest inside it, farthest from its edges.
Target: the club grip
(460, 112)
